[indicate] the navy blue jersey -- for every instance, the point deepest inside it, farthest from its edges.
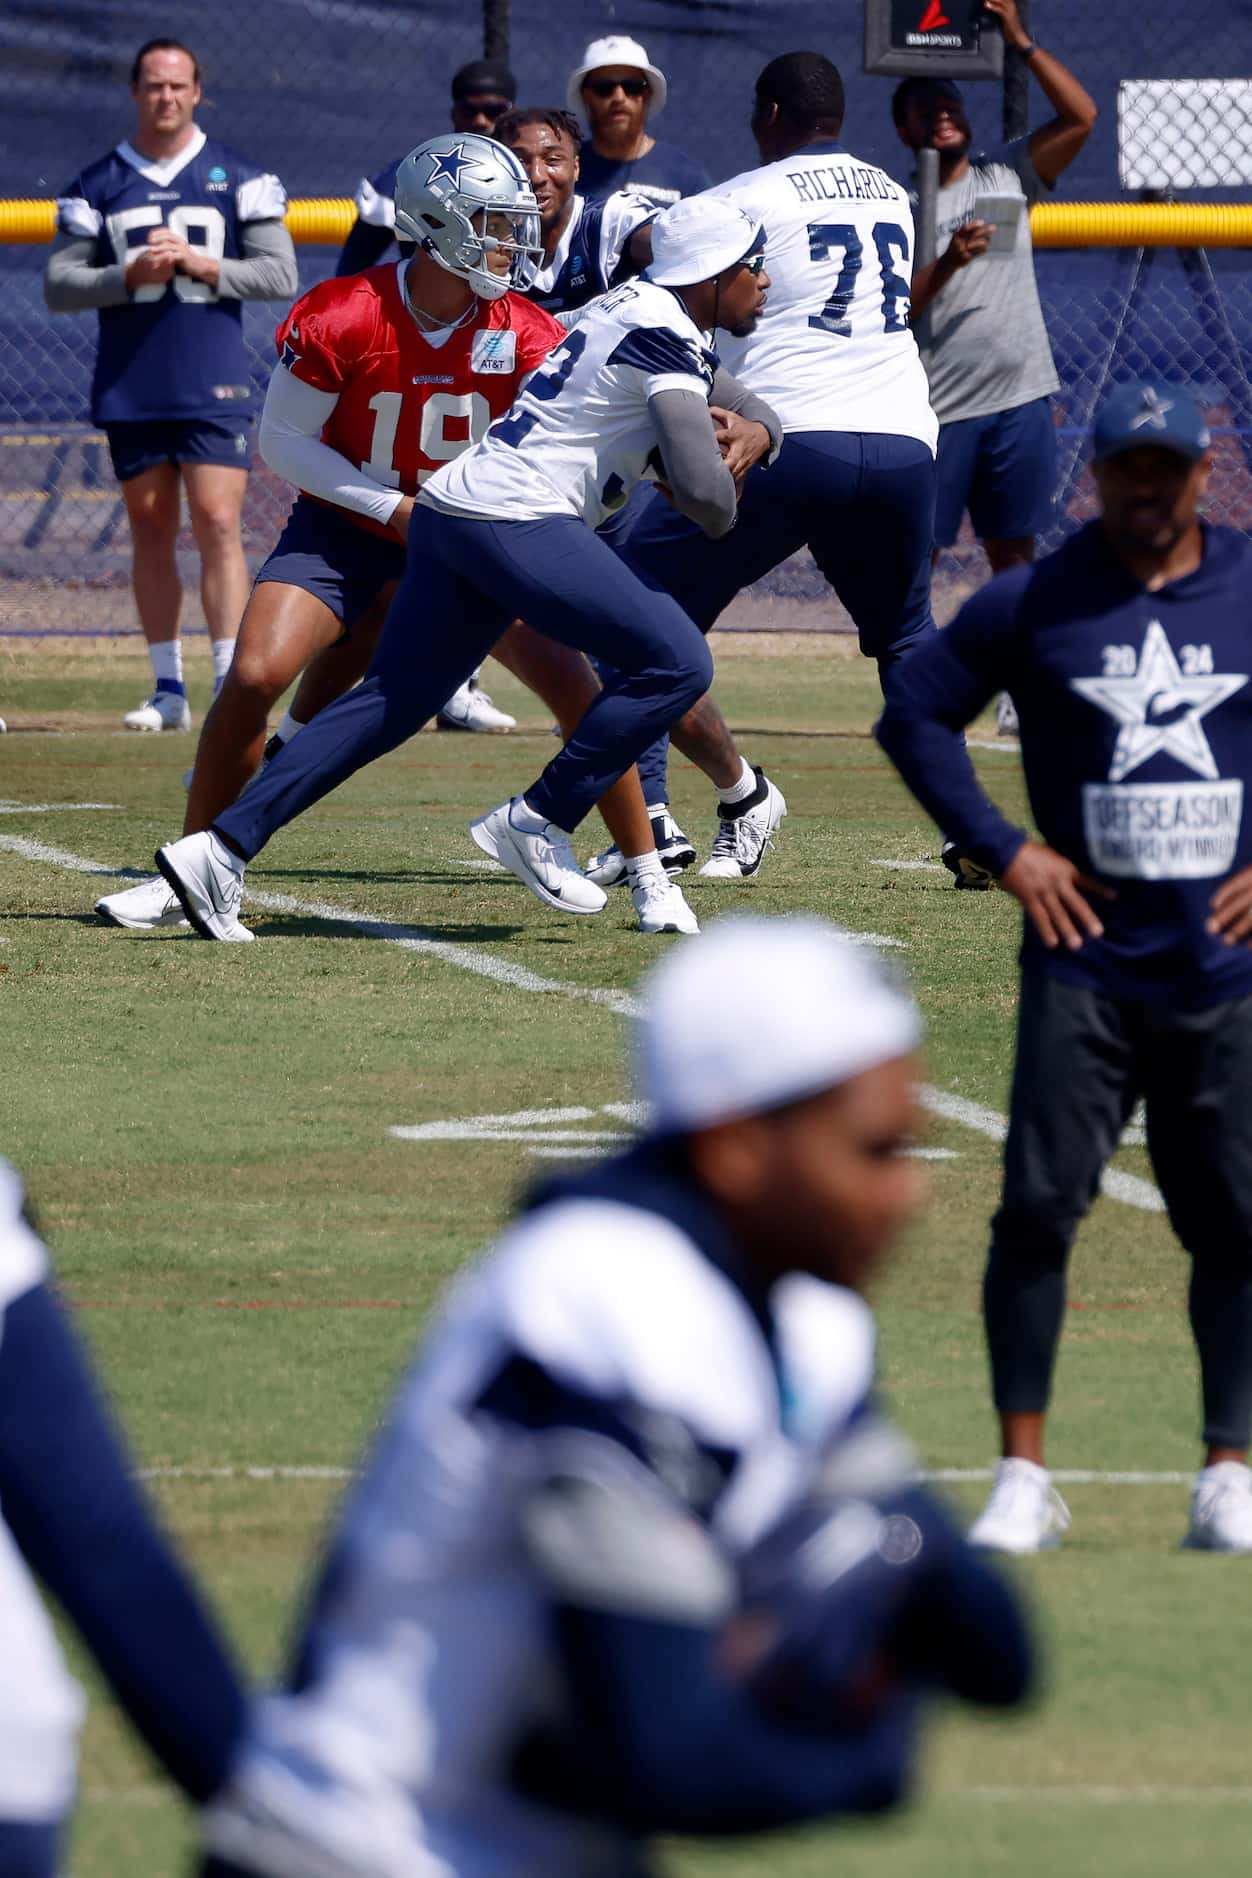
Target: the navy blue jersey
(172, 351)
(1136, 728)
(664, 175)
(591, 255)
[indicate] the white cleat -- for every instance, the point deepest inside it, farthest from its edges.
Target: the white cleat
(164, 710)
(745, 831)
(1006, 716)
(143, 908)
(608, 869)
(661, 907)
(208, 888)
(471, 709)
(1221, 1509)
(542, 859)
(1024, 1513)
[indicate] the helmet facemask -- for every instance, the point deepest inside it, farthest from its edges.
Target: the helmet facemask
(464, 243)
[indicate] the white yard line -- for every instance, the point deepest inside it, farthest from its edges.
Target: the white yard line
(51, 808)
(912, 867)
(952, 1476)
(1006, 746)
(1127, 1188)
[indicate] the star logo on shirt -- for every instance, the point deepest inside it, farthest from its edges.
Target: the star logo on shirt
(1160, 709)
(446, 166)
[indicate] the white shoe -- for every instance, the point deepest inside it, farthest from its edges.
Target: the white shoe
(142, 908)
(1006, 716)
(471, 709)
(608, 869)
(164, 710)
(542, 859)
(661, 907)
(209, 889)
(1025, 1513)
(1221, 1509)
(745, 831)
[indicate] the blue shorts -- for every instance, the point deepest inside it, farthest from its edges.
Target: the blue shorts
(1002, 469)
(339, 563)
(28, 1851)
(135, 448)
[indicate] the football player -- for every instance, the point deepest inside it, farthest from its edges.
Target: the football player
(507, 531)
(382, 378)
(835, 355)
(73, 1516)
(632, 1553)
(165, 236)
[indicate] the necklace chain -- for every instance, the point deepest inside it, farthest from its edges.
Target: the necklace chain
(436, 322)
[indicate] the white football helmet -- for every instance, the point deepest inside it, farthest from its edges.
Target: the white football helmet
(461, 197)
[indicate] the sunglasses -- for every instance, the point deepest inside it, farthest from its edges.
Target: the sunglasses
(489, 107)
(605, 87)
(756, 263)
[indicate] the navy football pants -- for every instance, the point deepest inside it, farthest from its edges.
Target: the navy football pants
(465, 581)
(862, 503)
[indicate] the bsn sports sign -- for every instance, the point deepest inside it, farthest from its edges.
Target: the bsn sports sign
(932, 25)
(941, 38)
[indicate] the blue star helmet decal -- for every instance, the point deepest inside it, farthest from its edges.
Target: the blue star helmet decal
(447, 165)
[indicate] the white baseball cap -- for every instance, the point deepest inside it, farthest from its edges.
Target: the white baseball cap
(761, 1012)
(616, 50)
(697, 238)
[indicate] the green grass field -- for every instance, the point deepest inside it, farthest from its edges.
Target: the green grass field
(205, 1131)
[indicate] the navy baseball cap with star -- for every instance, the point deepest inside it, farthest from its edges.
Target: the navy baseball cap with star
(1162, 416)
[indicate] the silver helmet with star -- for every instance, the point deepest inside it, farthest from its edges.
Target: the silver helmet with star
(461, 197)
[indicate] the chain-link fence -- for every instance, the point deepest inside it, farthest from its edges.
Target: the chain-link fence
(327, 91)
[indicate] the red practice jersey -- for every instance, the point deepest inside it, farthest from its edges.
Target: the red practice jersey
(406, 407)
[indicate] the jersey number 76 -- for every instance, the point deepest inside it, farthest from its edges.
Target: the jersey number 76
(830, 239)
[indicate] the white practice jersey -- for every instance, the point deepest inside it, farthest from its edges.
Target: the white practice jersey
(597, 1340)
(578, 438)
(833, 349)
(588, 254)
(41, 1707)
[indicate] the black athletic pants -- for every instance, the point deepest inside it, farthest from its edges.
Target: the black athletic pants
(1083, 1061)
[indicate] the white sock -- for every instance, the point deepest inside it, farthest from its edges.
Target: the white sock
(288, 728)
(641, 867)
(745, 787)
(167, 665)
(223, 652)
(524, 817)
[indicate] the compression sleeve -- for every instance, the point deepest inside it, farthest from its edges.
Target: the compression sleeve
(930, 699)
(702, 487)
(72, 283)
(666, 1743)
(290, 441)
(267, 270)
(78, 1519)
(730, 395)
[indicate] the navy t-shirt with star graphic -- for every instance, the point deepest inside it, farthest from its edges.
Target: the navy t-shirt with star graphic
(1136, 734)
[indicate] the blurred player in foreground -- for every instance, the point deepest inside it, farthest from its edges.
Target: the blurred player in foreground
(382, 378)
(506, 531)
(834, 355)
(71, 1515)
(633, 1553)
(165, 236)
(1129, 652)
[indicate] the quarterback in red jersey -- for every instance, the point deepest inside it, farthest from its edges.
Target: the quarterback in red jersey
(382, 378)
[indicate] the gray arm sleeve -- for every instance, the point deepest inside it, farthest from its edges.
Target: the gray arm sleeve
(267, 270)
(729, 395)
(72, 283)
(702, 486)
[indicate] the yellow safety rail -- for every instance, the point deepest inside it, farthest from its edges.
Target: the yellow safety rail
(324, 221)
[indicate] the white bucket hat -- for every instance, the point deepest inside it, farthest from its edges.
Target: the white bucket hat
(697, 238)
(759, 1013)
(616, 50)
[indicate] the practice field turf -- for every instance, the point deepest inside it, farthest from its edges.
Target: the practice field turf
(209, 1135)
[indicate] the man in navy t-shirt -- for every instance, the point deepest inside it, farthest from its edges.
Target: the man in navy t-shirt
(164, 237)
(617, 88)
(1129, 655)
